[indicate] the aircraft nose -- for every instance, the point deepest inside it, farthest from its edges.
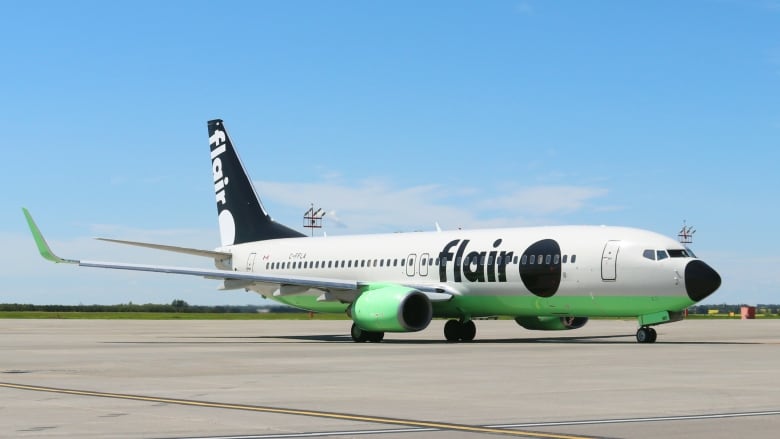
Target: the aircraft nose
(700, 280)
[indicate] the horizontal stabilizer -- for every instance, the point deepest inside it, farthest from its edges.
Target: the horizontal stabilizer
(171, 248)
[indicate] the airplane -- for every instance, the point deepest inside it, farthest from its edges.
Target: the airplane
(545, 278)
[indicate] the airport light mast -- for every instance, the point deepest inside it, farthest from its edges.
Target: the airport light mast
(685, 236)
(312, 219)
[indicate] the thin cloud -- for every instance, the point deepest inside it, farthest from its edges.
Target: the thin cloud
(546, 200)
(374, 206)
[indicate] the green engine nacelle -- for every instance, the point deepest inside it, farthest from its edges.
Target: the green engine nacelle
(392, 308)
(551, 323)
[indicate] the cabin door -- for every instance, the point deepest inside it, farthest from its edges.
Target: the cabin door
(609, 261)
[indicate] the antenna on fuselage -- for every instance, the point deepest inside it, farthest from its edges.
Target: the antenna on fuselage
(685, 236)
(312, 219)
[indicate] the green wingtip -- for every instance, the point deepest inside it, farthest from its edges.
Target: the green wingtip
(43, 247)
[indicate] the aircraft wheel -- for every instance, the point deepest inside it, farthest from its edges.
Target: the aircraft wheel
(468, 331)
(452, 330)
(653, 335)
(646, 334)
(375, 337)
(358, 335)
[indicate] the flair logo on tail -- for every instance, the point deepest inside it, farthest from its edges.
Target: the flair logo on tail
(227, 224)
(242, 217)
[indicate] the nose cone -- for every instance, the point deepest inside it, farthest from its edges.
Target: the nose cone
(700, 280)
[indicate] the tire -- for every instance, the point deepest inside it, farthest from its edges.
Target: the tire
(375, 337)
(468, 331)
(642, 335)
(452, 330)
(358, 335)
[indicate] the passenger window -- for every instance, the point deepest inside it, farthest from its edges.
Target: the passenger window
(532, 260)
(403, 261)
(547, 259)
(564, 258)
(573, 258)
(649, 254)
(381, 262)
(430, 261)
(362, 263)
(515, 260)
(539, 260)
(661, 255)
(524, 260)
(349, 263)
(423, 261)
(557, 259)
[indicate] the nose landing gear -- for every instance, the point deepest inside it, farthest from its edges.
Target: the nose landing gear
(646, 334)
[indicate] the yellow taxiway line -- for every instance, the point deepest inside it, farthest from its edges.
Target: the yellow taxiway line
(286, 411)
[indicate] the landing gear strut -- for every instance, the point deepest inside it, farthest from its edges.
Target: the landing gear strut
(646, 334)
(455, 330)
(360, 335)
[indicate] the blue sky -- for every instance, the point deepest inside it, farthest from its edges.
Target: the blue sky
(390, 115)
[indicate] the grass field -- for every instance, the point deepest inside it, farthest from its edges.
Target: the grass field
(166, 316)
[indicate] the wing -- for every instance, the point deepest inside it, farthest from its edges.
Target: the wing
(347, 289)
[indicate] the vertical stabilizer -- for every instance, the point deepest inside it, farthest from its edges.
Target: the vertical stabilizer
(242, 217)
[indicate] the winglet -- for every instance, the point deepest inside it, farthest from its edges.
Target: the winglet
(43, 247)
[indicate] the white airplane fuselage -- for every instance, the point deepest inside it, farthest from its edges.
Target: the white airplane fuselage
(604, 273)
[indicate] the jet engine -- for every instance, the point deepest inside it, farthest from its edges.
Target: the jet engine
(551, 323)
(392, 308)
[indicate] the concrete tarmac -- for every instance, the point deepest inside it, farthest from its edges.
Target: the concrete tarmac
(274, 379)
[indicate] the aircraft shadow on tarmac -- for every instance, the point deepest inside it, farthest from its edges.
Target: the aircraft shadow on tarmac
(345, 338)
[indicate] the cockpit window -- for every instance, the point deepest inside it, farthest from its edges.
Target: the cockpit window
(649, 254)
(681, 253)
(661, 254)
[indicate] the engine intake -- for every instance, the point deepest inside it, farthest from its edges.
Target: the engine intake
(392, 308)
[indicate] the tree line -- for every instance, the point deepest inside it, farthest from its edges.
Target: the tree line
(177, 306)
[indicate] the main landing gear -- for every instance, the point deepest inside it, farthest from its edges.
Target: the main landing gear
(646, 334)
(455, 330)
(361, 335)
